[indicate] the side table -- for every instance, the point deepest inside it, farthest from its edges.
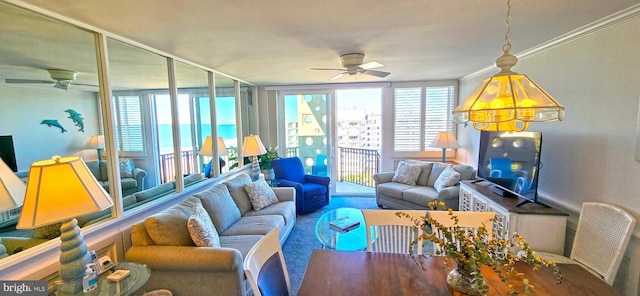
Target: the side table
(138, 276)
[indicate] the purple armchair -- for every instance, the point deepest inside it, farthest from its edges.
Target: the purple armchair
(312, 192)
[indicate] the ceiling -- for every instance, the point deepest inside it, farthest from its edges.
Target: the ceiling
(277, 42)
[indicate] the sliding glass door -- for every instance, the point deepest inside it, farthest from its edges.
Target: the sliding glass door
(305, 119)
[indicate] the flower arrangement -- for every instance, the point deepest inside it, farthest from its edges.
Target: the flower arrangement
(472, 250)
(265, 159)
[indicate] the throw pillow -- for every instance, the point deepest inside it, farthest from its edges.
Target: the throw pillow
(407, 173)
(260, 194)
(201, 228)
(447, 178)
(126, 171)
(47, 231)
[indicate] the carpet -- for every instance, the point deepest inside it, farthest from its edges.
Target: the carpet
(302, 240)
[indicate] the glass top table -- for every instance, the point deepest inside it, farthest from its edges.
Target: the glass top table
(331, 238)
(139, 274)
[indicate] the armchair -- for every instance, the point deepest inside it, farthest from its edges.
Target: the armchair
(131, 182)
(312, 192)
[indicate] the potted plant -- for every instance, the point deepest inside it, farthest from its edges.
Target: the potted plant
(470, 251)
(265, 162)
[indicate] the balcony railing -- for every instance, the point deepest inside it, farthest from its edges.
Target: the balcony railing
(354, 165)
(357, 165)
(167, 166)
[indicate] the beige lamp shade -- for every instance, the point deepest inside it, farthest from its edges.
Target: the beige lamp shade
(207, 147)
(12, 189)
(95, 142)
(222, 147)
(60, 189)
(445, 140)
(253, 146)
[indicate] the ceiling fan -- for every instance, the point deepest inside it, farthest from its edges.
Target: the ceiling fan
(353, 64)
(62, 79)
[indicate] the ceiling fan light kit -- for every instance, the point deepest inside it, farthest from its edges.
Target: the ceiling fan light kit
(62, 79)
(508, 101)
(353, 64)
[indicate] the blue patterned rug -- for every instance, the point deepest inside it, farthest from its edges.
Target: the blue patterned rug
(300, 244)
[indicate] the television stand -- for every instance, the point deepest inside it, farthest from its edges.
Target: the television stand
(542, 226)
(526, 201)
(502, 192)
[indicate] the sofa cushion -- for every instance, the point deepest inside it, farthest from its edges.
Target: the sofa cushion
(128, 201)
(242, 243)
(447, 178)
(128, 183)
(260, 194)
(286, 209)
(420, 195)
(126, 168)
(393, 189)
(239, 195)
(154, 192)
(407, 173)
(169, 227)
(140, 236)
(220, 206)
(255, 225)
(193, 178)
(436, 170)
(202, 231)
(423, 178)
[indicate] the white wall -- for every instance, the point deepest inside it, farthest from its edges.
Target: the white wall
(23, 109)
(590, 155)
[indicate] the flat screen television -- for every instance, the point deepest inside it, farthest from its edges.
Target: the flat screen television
(7, 153)
(511, 160)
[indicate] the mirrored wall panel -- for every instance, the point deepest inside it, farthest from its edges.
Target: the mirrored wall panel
(49, 105)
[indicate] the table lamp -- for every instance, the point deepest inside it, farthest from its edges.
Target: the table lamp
(207, 147)
(444, 140)
(61, 189)
(253, 147)
(96, 142)
(12, 189)
(222, 147)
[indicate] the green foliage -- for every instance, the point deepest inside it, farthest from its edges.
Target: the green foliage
(473, 250)
(265, 159)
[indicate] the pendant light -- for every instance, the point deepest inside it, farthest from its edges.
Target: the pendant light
(508, 101)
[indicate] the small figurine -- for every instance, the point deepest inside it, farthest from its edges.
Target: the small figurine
(54, 123)
(77, 118)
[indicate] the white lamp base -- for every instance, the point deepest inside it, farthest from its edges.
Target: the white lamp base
(255, 169)
(74, 257)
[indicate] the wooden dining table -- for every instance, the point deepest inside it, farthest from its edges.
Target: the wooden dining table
(332, 272)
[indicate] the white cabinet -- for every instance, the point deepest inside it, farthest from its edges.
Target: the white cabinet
(542, 227)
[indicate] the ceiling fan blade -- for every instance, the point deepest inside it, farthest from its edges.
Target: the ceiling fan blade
(9, 80)
(337, 76)
(376, 73)
(83, 84)
(60, 86)
(371, 65)
(336, 69)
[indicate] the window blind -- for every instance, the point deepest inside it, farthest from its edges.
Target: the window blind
(407, 112)
(129, 133)
(439, 105)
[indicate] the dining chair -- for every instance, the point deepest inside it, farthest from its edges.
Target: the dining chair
(265, 267)
(388, 233)
(468, 221)
(601, 238)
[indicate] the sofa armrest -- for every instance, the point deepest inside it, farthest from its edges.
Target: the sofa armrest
(285, 193)
(186, 258)
(139, 174)
(189, 270)
(322, 180)
(450, 196)
(17, 244)
(383, 177)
